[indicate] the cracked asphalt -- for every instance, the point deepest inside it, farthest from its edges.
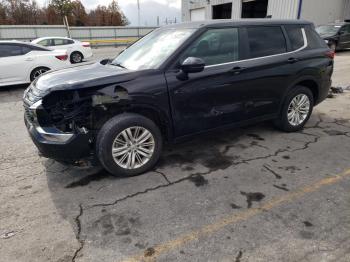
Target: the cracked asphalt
(248, 194)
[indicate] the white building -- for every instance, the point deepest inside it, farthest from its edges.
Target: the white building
(317, 11)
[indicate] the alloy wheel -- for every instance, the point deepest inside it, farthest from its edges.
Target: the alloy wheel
(76, 58)
(298, 109)
(39, 72)
(133, 147)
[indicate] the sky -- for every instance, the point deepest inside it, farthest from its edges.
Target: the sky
(150, 9)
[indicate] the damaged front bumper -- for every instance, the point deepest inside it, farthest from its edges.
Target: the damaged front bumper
(55, 144)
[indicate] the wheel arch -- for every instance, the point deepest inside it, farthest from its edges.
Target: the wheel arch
(76, 51)
(161, 119)
(36, 67)
(158, 117)
(308, 82)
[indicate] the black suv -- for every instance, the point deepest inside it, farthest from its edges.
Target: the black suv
(176, 82)
(337, 36)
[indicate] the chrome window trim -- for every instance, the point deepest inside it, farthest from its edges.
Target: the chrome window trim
(258, 58)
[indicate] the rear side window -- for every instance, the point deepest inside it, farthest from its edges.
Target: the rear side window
(313, 38)
(265, 41)
(7, 50)
(215, 46)
(295, 36)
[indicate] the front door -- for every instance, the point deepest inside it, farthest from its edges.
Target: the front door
(344, 38)
(14, 64)
(214, 97)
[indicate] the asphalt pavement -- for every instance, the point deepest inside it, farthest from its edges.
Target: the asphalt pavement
(248, 194)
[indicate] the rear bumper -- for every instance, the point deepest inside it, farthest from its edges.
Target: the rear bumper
(87, 53)
(324, 91)
(54, 144)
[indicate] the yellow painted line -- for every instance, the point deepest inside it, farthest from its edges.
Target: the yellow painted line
(235, 218)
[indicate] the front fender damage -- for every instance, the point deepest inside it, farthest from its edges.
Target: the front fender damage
(82, 110)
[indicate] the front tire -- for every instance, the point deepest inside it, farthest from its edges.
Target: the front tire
(38, 72)
(128, 145)
(296, 110)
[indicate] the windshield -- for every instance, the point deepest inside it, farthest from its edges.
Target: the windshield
(153, 49)
(328, 29)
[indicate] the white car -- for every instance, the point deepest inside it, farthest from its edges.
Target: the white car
(21, 62)
(77, 50)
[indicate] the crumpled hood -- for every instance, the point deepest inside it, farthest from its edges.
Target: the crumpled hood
(83, 77)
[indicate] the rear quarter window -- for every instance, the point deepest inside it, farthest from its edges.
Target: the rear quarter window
(295, 36)
(313, 38)
(266, 41)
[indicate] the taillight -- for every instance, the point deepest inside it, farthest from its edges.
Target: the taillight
(330, 54)
(86, 44)
(62, 57)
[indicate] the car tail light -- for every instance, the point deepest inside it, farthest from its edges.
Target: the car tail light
(85, 44)
(330, 54)
(62, 57)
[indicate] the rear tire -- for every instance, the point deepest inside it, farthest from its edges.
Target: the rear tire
(76, 57)
(296, 110)
(122, 137)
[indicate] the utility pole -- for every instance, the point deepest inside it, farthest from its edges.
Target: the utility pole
(66, 23)
(138, 18)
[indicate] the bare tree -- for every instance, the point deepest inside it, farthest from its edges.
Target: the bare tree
(29, 12)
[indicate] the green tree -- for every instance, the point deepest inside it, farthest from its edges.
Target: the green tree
(79, 16)
(62, 7)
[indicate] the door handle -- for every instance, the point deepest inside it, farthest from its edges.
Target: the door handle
(237, 70)
(293, 60)
(29, 59)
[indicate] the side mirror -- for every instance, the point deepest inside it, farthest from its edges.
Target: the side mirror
(106, 61)
(192, 65)
(341, 33)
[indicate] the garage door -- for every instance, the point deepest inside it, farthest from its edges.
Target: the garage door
(198, 14)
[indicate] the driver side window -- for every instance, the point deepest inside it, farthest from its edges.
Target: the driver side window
(215, 46)
(46, 42)
(347, 29)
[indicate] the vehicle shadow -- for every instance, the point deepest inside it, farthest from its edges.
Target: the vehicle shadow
(72, 187)
(74, 191)
(345, 52)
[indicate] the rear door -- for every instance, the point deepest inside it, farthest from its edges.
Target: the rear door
(269, 69)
